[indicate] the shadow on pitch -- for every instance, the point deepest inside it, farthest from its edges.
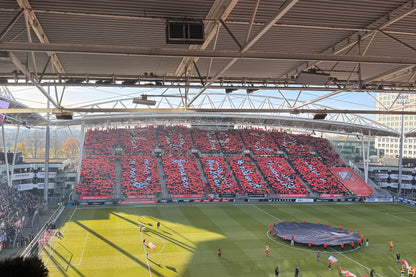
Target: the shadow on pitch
(68, 262)
(156, 264)
(144, 265)
(160, 234)
(171, 268)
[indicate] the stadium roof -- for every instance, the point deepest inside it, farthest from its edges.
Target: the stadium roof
(256, 46)
(356, 125)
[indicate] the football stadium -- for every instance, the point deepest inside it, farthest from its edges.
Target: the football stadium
(208, 138)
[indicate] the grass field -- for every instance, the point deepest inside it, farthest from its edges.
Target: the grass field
(106, 241)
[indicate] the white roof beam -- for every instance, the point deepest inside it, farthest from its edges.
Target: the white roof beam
(319, 98)
(178, 52)
(383, 22)
(40, 33)
(23, 68)
(287, 5)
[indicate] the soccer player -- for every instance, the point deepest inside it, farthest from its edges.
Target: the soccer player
(397, 257)
(219, 252)
(158, 224)
(390, 245)
(309, 244)
(297, 271)
(329, 264)
(267, 250)
(276, 271)
(342, 246)
(317, 256)
(292, 241)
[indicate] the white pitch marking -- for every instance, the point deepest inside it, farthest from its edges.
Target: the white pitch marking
(144, 249)
(356, 262)
(402, 218)
(82, 254)
(266, 212)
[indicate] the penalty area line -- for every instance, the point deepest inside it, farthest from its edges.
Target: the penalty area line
(266, 212)
(351, 259)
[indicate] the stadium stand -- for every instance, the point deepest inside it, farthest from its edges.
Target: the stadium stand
(97, 176)
(220, 180)
(15, 209)
(182, 175)
(292, 144)
(206, 141)
(284, 164)
(317, 175)
(230, 141)
(100, 142)
(281, 177)
(139, 176)
(325, 150)
(259, 141)
(247, 175)
(138, 140)
(174, 139)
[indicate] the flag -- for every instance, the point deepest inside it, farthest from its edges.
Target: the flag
(404, 262)
(151, 246)
(332, 259)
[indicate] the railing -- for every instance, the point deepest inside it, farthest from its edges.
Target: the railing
(33, 245)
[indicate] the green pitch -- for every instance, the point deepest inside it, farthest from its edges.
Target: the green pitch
(106, 241)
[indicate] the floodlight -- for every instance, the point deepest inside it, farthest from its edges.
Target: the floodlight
(64, 115)
(144, 101)
(229, 90)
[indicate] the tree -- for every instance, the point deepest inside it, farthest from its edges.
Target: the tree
(22, 147)
(35, 142)
(71, 147)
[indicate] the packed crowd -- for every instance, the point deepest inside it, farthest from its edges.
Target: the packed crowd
(139, 176)
(15, 209)
(283, 163)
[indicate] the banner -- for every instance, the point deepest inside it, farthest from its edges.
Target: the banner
(304, 200)
(23, 187)
(94, 197)
(3, 105)
(378, 200)
(135, 202)
(187, 196)
(152, 196)
(292, 195)
(352, 181)
(331, 195)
